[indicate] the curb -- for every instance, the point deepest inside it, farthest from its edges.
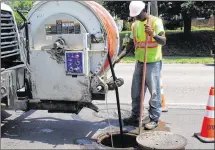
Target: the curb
(169, 105)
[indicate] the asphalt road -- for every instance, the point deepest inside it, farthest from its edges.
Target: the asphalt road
(42, 130)
(185, 85)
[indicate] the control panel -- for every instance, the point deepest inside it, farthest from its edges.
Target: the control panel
(74, 63)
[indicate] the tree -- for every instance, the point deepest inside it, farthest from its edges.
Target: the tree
(119, 8)
(20, 5)
(100, 2)
(169, 9)
(188, 10)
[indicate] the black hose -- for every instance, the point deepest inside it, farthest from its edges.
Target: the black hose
(25, 24)
(117, 98)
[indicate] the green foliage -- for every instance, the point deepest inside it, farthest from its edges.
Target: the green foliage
(168, 9)
(199, 44)
(20, 5)
(173, 24)
(19, 20)
(119, 8)
(190, 8)
(193, 28)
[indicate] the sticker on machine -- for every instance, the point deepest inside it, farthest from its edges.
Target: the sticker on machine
(59, 26)
(68, 27)
(77, 28)
(48, 37)
(50, 29)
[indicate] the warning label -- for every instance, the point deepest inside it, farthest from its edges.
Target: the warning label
(63, 27)
(77, 28)
(50, 29)
(68, 27)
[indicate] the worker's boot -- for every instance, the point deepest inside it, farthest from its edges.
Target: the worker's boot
(134, 121)
(151, 125)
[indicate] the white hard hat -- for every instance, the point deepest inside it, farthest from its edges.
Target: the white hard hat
(136, 7)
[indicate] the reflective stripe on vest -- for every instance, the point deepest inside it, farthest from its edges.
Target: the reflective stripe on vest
(142, 44)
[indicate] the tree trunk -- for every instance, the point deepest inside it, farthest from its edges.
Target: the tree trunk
(187, 24)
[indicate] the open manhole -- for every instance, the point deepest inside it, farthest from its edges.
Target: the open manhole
(129, 140)
(161, 140)
(112, 113)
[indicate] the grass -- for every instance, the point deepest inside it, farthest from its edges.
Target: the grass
(193, 28)
(178, 60)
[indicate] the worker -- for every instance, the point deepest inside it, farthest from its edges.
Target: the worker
(157, 39)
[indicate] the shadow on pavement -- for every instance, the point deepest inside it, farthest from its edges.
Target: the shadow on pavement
(58, 131)
(51, 130)
(4, 115)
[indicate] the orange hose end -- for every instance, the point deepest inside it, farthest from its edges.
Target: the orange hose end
(109, 27)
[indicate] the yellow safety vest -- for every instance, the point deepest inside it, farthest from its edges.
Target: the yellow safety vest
(154, 50)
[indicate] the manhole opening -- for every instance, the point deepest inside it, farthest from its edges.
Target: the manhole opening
(129, 140)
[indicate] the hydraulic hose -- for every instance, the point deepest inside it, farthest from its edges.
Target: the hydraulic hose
(117, 99)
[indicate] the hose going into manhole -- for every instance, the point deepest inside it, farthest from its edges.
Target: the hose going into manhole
(118, 107)
(117, 99)
(101, 12)
(111, 46)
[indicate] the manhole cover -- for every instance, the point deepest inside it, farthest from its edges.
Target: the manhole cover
(161, 140)
(113, 113)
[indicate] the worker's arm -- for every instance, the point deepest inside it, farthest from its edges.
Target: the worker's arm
(157, 33)
(160, 38)
(129, 48)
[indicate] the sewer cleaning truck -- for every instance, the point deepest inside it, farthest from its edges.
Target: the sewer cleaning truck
(12, 64)
(67, 49)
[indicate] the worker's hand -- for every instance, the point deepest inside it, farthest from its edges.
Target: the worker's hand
(149, 30)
